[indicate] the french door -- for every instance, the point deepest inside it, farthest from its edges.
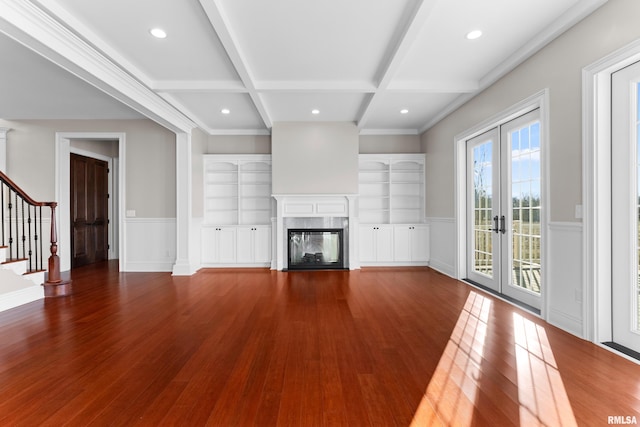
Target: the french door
(625, 212)
(504, 210)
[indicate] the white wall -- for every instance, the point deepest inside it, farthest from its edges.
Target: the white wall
(314, 158)
(557, 67)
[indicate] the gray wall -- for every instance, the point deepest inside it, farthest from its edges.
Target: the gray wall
(150, 160)
(239, 144)
(314, 158)
(385, 144)
(557, 67)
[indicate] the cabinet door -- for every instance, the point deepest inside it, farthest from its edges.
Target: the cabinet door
(226, 245)
(367, 243)
(253, 245)
(384, 243)
(262, 244)
(420, 243)
(244, 245)
(209, 245)
(402, 242)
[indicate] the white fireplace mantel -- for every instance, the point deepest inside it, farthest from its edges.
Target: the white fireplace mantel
(315, 206)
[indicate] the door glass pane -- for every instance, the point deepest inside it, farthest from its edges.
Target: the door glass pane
(482, 205)
(525, 191)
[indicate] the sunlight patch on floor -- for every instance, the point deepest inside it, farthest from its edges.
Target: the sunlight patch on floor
(541, 393)
(451, 393)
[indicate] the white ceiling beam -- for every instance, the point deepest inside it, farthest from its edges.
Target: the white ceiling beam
(434, 86)
(34, 28)
(70, 21)
(229, 41)
(199, 86)
(316, 86)
(419, 18)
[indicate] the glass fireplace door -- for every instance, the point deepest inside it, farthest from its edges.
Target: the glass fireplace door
(315, 249)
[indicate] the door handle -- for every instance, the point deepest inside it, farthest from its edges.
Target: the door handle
(503, 228)
(495, 224)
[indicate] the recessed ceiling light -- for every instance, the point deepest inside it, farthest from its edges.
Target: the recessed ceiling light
(472, 35)
(158, 33)
(404, 111)
(315, 111)
(225, 111)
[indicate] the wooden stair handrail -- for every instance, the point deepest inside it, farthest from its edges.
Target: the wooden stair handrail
(54, 285)
(4, 178)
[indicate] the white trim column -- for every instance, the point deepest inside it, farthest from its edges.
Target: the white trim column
(3, 149)
(596, 190)
(185, 264)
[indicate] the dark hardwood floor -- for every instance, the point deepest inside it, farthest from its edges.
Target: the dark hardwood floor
(242, 347)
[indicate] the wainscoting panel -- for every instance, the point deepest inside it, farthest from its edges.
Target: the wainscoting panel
(150, 244)
(565, 284)
(442, 245)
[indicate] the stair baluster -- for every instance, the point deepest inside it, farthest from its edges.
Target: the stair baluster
(22, 223)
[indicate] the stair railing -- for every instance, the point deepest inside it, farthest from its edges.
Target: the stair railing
(23, 234)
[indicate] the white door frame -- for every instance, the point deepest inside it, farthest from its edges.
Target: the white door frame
(63, 181)
(112, 190)
(538, 100)
(596, 190)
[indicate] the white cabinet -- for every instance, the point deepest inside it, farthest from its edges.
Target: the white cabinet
(218, 245)
(399, 244)
(376, 243)
(253, 245)
(391, 188)
(237, 189)
(238, 208)
(411, 243)
(391, 210)
(236, 246)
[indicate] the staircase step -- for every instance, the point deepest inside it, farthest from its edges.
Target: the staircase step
(19, 266)
(37, 277)
(3, 254)
(17, 290)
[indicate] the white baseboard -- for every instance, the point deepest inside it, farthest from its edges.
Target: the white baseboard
(444, 268)
(17, 298)
(566, 322)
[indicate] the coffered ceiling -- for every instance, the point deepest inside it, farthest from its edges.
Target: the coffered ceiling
(270, 60)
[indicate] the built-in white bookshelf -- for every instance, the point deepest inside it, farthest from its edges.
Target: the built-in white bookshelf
(391, 188)
(237, 189)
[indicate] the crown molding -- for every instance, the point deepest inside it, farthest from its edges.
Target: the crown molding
(546, 36)
(389, 132)
(236, 132)
(217, 86)
(37, 30)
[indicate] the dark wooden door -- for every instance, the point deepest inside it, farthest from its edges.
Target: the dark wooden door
(89, 210)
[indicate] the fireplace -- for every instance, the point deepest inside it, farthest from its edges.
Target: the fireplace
(319, 213)
(315, 248)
